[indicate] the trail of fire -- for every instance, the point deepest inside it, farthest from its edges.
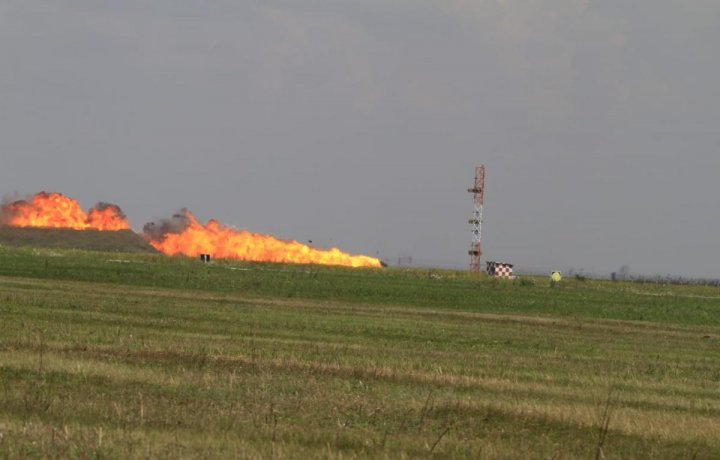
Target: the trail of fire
(185, 235)
(55, 210)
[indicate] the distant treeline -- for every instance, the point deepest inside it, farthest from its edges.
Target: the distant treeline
(619, 276)
(658, 279)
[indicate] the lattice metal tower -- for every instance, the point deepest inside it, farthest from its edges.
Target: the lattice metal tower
(477, 217)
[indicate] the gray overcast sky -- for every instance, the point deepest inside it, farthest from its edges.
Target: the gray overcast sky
(358, 123)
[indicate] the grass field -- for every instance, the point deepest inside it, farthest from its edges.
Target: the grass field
(106, 355)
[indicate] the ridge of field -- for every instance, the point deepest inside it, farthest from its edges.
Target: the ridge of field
(442, 289)
(140, 355)
(67, 238)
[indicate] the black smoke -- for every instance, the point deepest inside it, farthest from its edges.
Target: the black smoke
(156, 230)
(102, 206)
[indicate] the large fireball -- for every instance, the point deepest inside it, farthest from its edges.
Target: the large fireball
(55, 210)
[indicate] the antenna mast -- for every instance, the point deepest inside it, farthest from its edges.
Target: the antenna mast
(478, 192)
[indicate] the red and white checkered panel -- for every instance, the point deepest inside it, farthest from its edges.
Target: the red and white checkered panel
(500, 270)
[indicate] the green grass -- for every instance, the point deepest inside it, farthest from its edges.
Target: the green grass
(143, 356)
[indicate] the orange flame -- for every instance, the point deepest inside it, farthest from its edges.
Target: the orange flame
(56, 210)
(224, 242)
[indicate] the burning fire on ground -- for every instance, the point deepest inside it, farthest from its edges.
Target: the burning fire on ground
(183, 234)
(55, 210)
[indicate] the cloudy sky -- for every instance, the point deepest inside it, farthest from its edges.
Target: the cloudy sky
(358, 123)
